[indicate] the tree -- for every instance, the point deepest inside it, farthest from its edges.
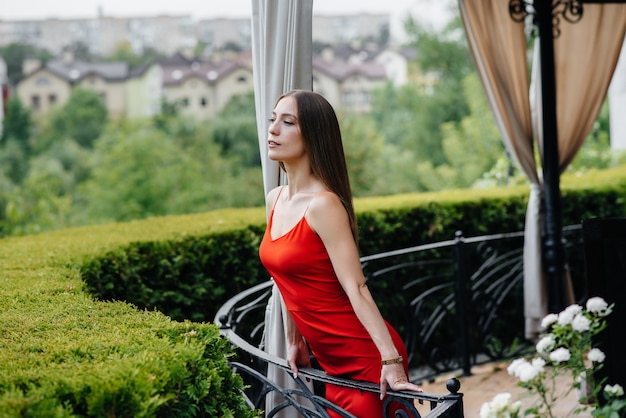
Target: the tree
(235, 130)
(168, 115)
(14, 55)
(444, 53)
(409, 120)
(124, 52)
(376, 168)
(16, 124)
(139, 171)
(41, 203)
(80, 51)
(596, 151)
(82, 117)
(472, 147)
(410, 116)
(13, 161)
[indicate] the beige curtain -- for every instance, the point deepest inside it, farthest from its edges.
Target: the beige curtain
(586, 54)
(498, 46)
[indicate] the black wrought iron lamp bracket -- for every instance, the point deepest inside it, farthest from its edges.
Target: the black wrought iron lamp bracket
(569, 10)
(546, 17)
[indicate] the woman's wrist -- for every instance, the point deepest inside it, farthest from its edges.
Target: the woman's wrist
(395, 360)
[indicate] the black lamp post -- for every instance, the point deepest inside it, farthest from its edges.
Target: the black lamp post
(546, 16)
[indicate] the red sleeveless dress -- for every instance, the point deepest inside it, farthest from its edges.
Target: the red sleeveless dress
(302, 270)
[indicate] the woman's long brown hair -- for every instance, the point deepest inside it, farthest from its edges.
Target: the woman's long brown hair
(320, 131)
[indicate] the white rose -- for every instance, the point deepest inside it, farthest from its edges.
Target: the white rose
(615, 390)
(596, 355)
(560, 355)
(581, 323)
(596, 304)
(515, 365)
(501, 400)
(538, 363)
(485, 411)
(549, 320)
(568, 314)
(528, 372)
(545, 344)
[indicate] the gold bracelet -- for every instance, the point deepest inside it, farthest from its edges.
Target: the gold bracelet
(396, 360)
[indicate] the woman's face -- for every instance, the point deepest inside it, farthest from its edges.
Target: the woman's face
(285, 142)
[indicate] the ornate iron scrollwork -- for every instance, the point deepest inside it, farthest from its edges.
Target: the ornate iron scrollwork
(570, 10)
(519, 10)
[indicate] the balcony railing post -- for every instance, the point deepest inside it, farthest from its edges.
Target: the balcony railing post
(461, 300)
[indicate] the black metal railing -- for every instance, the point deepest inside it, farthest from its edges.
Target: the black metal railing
(238, 322)
(460, 302)
(456, 303)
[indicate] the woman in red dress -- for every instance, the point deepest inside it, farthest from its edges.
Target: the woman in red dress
(310, 250)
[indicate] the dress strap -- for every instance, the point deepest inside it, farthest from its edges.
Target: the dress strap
(277, 196)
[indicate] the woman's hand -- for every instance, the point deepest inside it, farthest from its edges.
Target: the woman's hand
(298, 355)
(392, 376)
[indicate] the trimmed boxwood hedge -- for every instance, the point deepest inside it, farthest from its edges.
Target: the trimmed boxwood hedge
(65, 354)
(190, 277)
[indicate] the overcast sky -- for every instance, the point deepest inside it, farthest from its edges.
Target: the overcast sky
(427, 11)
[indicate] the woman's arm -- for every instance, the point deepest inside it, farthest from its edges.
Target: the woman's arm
(328, 218)
(297, 349)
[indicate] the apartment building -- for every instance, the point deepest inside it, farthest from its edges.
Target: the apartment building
(169, 34)
(103, 35)
(342, 29)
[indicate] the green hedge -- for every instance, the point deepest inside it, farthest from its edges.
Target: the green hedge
(67, 350)
(64, 354)
(184, 278)
(191, 277)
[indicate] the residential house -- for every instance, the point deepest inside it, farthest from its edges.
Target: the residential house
(202, 88)
(347, 83)
(124, 92)
(42, 87)
(346, 75)
(396, 63)
(144, 90)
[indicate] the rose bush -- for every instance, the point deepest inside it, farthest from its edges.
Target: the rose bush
(565, 348)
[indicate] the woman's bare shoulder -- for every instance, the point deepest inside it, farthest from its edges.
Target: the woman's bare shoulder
(272, 196)
(325, 204)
